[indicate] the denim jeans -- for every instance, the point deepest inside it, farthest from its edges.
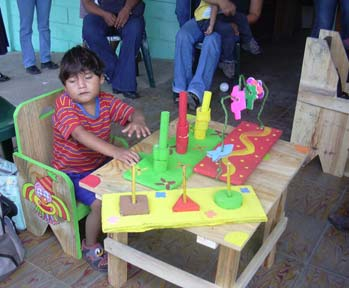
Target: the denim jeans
(325, 11)
(26, 13)
(184, 80)
(120, 70)
(183, 10)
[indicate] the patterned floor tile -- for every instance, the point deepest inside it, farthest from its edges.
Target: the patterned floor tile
(311, 198)
(316, 277)
(301, 235)
(283, 274)
(28, 275)
(333, 252)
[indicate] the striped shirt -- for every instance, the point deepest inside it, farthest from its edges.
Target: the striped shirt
(68, 154)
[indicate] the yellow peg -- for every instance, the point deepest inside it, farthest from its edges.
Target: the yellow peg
(206, 101)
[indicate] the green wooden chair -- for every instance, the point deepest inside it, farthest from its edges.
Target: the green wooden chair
(47, 195)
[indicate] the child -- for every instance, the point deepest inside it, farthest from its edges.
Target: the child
(229, 27)
(82, 125)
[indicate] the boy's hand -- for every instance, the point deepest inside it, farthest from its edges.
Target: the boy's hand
(209, 30)
(109, 18)
(127, 156)
(137, 125)
(227, 7)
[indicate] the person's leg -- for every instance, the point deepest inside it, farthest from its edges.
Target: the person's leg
(209, 57)
(225, 30)
(26, 14)
(93, 223)
(245, 32)
(344, 4)
(124, 78)
(43, 8)
(94, 33)
(324, 16)
(186, 38)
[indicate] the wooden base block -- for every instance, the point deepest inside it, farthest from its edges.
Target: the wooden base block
(138, 208)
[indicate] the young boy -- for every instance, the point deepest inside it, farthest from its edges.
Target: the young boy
(82, 126)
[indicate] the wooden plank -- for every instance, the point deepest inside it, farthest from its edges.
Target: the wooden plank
(227, 267)
(338, 55)
(154, 266)
(262, 253)
(319, 99)
(317, 58)
(117, 268)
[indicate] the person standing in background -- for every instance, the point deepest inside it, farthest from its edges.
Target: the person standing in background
(325, 13)
(26, 14)
(3, 46)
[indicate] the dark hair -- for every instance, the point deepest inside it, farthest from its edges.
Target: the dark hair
(79, 59)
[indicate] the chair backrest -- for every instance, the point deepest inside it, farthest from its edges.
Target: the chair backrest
(33, 125)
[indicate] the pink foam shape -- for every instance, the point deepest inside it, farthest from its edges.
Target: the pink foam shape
(238, 103)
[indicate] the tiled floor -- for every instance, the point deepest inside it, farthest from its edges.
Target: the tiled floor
(311, 253)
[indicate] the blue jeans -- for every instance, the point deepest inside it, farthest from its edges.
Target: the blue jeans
(26, 13)
(183, 10)
(184, 80)
(120, 70)
(325, 11)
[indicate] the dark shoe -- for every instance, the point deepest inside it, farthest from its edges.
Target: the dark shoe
(131, 95)
(4, 78)
(175, 97)
(193, 101)
(252, 47)
(49, 65)
(340, 222)
(33, 70)
(228, 69)
(95, 256)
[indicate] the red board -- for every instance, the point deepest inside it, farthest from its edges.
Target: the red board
(251, 143)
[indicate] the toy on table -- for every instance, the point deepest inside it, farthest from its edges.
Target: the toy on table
(134, 204)
(184, 203)
(182, 134)
(203, 117)
(228, 198)
(161, 150)
(244, 147)
(244, 95)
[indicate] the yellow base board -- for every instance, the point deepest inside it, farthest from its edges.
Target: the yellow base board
(161, 214)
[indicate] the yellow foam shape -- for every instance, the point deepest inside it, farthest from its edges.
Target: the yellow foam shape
(237, 238)
(161, 216)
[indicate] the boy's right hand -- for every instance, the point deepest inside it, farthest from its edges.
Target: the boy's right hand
(127, 156)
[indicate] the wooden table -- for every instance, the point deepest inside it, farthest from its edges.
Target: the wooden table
(269, 180)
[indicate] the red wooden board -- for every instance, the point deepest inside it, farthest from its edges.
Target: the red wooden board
(251, 143)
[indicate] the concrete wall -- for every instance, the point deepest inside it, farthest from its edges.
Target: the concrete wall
(65, 24)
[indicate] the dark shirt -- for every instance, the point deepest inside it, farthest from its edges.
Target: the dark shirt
(115, 6)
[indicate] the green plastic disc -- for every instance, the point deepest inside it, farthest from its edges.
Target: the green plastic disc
(228, 199)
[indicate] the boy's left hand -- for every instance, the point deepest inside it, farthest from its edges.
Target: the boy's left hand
(209, 30)
(138, 126)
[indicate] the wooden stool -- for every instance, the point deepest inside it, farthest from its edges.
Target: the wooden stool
(7, 129)
(321, 120)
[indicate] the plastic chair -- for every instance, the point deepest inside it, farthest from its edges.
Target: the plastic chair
(7, 129)
(47, 195)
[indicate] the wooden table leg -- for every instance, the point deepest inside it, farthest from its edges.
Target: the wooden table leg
(275, 214)
(227, 267)
(117, 269)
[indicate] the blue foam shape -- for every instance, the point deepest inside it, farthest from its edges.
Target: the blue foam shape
(244, 190)
(160, 194)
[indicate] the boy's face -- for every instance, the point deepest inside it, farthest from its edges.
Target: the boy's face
(84, 87)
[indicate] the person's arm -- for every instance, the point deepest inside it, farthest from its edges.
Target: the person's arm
(227, 7)
(255, 11)
(93, 142)
(125, 12)
(93, 8)
(214, 11)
